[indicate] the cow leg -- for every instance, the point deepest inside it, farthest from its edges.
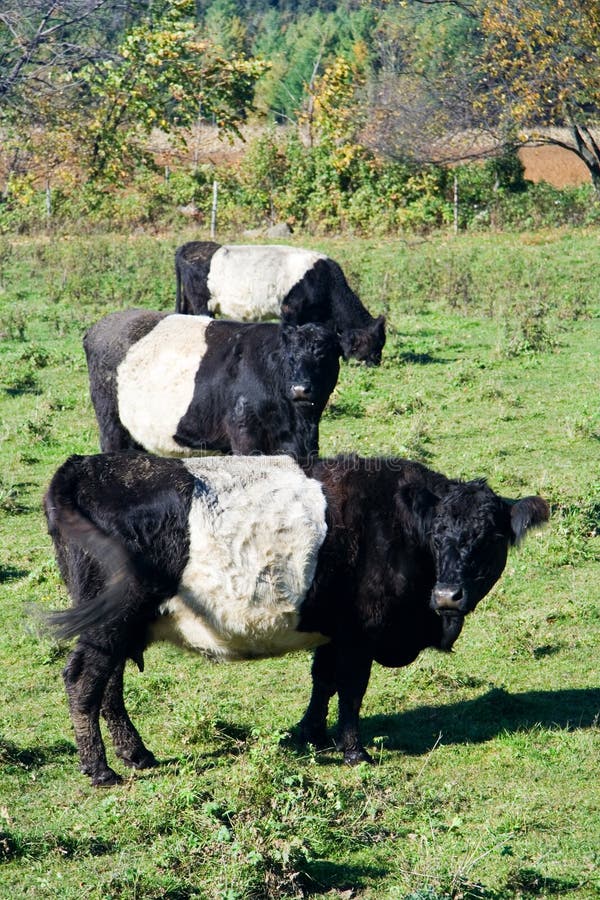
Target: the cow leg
(113, 436)
(313, 725)
(352, 678)
(127, 743)
(86, 675)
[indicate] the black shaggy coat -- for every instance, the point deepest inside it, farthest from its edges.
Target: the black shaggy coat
(259, 387)
(321, 295)
(408, 553)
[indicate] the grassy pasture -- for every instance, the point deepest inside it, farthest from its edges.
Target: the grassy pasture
(486, 776)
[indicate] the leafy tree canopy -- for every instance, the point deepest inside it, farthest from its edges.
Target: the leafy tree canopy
(541, 66)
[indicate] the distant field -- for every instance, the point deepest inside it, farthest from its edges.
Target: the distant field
(485, 785)
(558, 167)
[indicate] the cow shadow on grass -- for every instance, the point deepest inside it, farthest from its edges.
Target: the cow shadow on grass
(479, 720)
(419, 359)
(12, 756)
(10, 573)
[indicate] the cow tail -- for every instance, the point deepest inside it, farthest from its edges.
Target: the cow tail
(72, 528)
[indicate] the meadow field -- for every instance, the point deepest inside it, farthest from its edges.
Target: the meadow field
(485, 783)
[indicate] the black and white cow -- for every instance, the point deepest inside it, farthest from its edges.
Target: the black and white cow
(254, 282)
(243, 557)
(178, 385)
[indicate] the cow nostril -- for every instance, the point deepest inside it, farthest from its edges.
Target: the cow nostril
(301, 392)
(447, 596)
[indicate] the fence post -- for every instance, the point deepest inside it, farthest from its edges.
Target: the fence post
(455, 205)
(213, 215)
(48, 203)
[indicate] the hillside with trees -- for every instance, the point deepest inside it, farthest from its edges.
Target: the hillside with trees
(356, 114)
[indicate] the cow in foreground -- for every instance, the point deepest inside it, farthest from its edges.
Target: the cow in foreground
(243, 557)
(178, 385)
(253, 282)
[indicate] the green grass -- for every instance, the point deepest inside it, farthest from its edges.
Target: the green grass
(486, 776)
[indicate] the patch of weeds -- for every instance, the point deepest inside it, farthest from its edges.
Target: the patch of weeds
(467, 374)
(574, 308)
(353, 407)
(415, 404)
(29, 459)
(36, 355)
(492, 392)
(573, 526)
(9, 499)
(37, 846)
(417, 441)
(587, 425)
(14, 323)
(427, 893)
(468, 890)
(278, 818)
(22, 382)
(11, 846)
(39, 427)
(6, 253)
(530, 332)
(459, 291)
(528, 882)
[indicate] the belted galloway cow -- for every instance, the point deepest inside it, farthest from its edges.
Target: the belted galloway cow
(241, 557)
(253, 282)
(178, 385)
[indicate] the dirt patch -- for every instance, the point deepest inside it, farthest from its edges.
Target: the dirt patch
(558, 167)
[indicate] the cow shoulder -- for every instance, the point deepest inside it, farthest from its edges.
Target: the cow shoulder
(108, 340)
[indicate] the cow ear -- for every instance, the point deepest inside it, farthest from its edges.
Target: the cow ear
(530, 512)
(348, 341)
(379, 325)
(415, 505)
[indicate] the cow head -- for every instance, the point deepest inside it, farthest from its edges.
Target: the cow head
(471, 529)
(310, 363)
(365, 344)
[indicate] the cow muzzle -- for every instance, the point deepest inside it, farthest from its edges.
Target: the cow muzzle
(301, 393)
(448, 598)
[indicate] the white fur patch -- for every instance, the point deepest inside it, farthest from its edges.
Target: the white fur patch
(155, 382)
(248, 282)
(256, 527)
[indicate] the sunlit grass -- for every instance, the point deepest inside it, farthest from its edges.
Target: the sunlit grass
(485, 781)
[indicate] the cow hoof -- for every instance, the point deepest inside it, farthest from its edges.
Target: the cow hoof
(354, 757)
(144, 760)
(108, 778)
(315, 736)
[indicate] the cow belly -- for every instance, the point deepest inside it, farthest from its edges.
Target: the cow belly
(268, 632)
(256, 525)
(249, 282)
(156, 381)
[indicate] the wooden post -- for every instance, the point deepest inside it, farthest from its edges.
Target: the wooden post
(48, 203)
(455, 205)
(213, 216)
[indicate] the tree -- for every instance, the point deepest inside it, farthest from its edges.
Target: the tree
(421, 89)
(541, 71)
(40, 41)
(165, 75)
(43, 48)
